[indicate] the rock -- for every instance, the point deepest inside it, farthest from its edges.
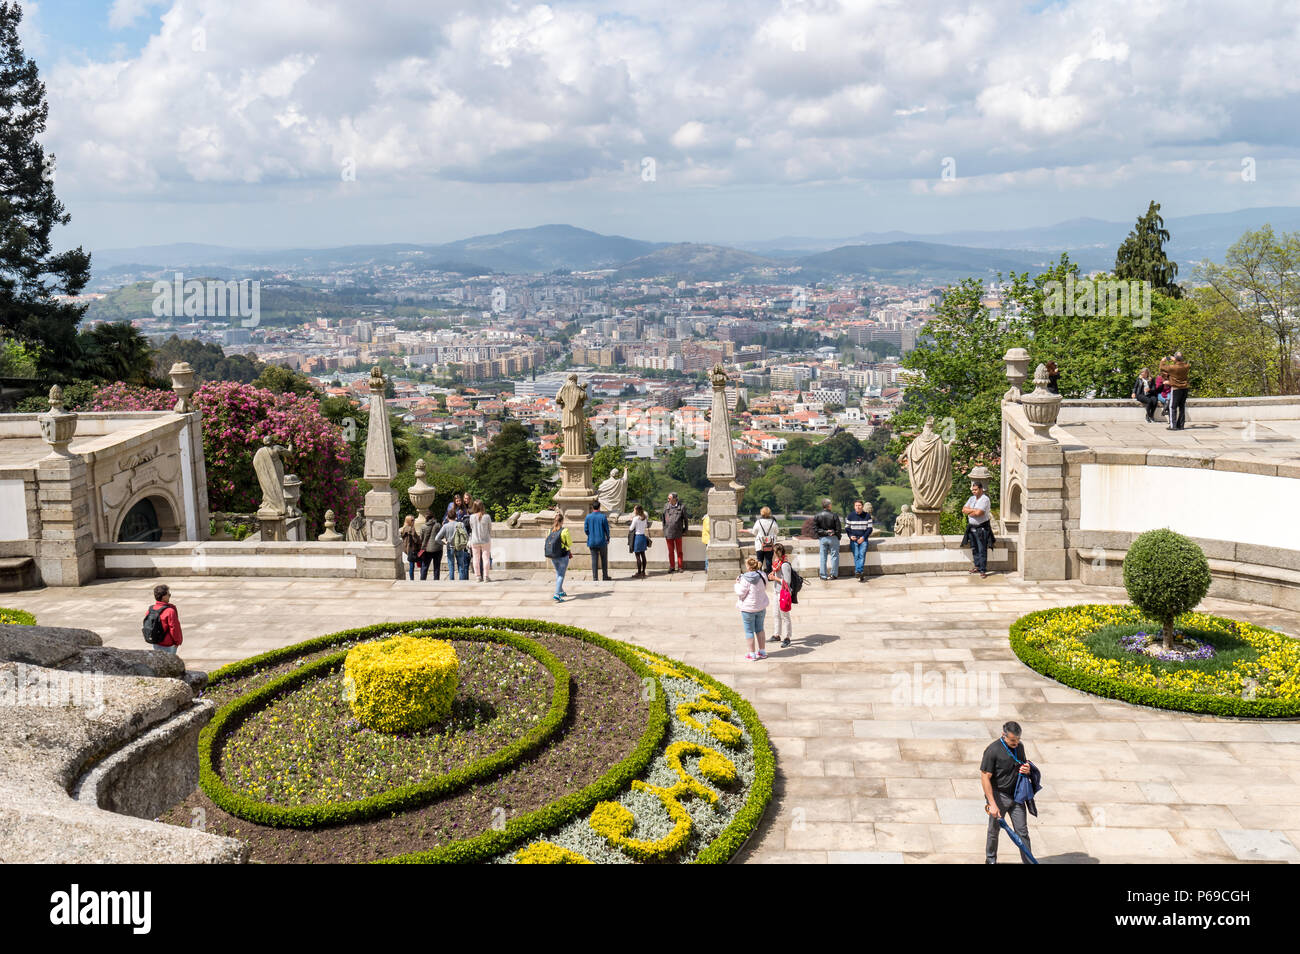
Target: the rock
(127, 662)
(43, 645)
(196, 679)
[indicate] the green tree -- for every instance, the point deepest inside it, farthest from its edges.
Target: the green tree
(116, 351)
(1231, 353)
(642, 485)
(1141, 256)
(843, 493)
(31, 273)
(786, 499)
(676, 464)
(510, 465)
(284, 380)
(608, 458)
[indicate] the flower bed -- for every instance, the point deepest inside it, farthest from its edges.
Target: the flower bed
(16, 617)
(1256, 672)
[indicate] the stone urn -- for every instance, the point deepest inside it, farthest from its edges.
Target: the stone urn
(421, 494)
(58, 425)
(1041, 406)
(292, 493)
(1017, 362)
(182, 376)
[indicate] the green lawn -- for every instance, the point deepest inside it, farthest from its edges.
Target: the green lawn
(896, 495)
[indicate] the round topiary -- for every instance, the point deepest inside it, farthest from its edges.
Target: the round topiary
(1166, 575)
(401, 684)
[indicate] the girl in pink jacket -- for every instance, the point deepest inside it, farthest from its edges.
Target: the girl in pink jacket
(751, 593)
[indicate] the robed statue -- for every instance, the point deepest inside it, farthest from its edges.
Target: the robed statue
(573, 422)
(268, 465)
(928, 461)
(906, 524)
(357, 528)
(612, 492)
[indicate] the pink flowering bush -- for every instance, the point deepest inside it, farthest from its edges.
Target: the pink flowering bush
(235, 419)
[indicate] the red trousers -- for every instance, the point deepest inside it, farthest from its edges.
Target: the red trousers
(675, 553)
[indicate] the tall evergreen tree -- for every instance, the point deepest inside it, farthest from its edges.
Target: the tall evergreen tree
(31, 273)
(1141, 256)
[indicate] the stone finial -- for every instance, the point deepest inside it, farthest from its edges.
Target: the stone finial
(376, 380)
(421, 493)
(330, 535)
(182, 376)
(57, 425)
(1041, 406)
(719, 377)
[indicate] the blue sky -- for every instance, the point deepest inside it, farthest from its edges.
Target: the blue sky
(316, 122)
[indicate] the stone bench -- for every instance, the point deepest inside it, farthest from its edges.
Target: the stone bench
(17, 573)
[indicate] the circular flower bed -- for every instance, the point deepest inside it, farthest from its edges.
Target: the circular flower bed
(637, 759)
(16, 617)
(401, 684)
(1233, 668)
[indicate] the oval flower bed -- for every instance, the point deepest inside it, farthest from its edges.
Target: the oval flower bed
(1256, 673)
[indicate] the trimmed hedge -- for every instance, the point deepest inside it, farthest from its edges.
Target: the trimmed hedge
(404, 797)
(1178, 700)
(402, 683)
(16, 617)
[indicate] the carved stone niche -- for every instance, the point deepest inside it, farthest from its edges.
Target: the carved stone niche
(123, 480)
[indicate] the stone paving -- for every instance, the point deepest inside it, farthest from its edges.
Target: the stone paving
(875, 764)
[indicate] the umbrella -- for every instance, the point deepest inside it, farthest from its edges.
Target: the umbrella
(1024, 849)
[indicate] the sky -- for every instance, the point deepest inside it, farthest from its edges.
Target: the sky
(286, 123)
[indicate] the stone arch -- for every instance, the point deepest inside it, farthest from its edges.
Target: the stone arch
(1013, 506)
(151, 517)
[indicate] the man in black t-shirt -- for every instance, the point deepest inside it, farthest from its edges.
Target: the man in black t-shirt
(1003, 760)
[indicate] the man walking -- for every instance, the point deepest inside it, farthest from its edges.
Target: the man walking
(829, 529)
(1003, 762)
(674, 529)
(167, 617)
(977, 509)
(859, 526)
(596, 526)
(1176, 370)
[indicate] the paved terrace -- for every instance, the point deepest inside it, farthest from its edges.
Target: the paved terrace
(861, 777)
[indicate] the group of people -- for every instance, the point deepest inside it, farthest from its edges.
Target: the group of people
(1167, 390)
(752, 599)
(464, 534)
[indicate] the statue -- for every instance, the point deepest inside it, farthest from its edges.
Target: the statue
(573, 422)
(357, 528)
(928, 462)
(269, 467)
(906, 524)
(612, 492)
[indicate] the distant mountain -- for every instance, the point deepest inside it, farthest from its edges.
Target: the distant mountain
(700, 262)
(548, 247)
(918, 260)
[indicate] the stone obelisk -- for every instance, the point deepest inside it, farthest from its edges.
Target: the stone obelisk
(382, 559)
(724, 550)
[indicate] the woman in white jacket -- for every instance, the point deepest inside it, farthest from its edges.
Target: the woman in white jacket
(480, 540)
(751, 593)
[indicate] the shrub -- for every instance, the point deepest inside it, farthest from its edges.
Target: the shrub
(1166, 575)
(401, 684)
(16, 617)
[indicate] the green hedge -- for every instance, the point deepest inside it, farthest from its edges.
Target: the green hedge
(404, 797)
(1178, 700)
(16, 617)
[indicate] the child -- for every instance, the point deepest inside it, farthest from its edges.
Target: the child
(751, 590)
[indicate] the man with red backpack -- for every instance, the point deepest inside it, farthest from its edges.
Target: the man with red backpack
(162, 624)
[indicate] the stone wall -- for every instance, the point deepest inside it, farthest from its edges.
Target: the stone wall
(247, 558)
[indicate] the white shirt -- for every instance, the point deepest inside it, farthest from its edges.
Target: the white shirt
(764, 527)
(983, 503)
(641, 525)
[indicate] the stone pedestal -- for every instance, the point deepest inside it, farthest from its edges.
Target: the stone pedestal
(576, 494)
(1043, 553)
(929, 522)
(272, 526)
(66, 551)
(725, 553)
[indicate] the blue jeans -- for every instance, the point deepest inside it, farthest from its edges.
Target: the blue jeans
(561, 567)
(830, 549)
(979, 536)
(462, 561)
(410, 567)
(753, 622)
(859, 549)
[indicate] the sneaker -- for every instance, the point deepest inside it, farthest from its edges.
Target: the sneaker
(761, 656)
(785, 642)
(558, 599)
(751, 656)
(562, 593)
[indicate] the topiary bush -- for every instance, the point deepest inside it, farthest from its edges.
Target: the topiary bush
(401, 684)
(1166, 575)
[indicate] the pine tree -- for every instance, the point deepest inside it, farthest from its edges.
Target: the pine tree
(30, 272)
(1141, 256)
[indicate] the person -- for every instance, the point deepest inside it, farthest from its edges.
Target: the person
(480, 541)
(675, 524)
(1053, 376)
(828, 527)
(704, 539)
(559, 546)
(410, 545)
(430, 548)
(453, 513)
(977, 514)
(169, 617)
(751, 600)
(860, 524)
(1003, 761)
(1144, 392)
(640, 538)
(446, 536)
(783, 576)
(765, 533)
(462, 516)
(1162, 394)
(596, 526)
(1177, 369)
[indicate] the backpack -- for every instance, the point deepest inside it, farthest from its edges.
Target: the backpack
(554, 548)
(796, 584)
(768, 538)
(459, 538)
(153, 627)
